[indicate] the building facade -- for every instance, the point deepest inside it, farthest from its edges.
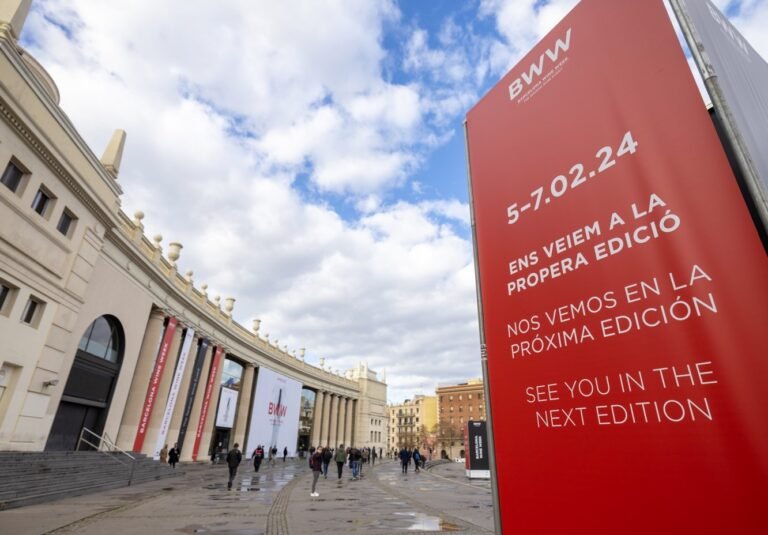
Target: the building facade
(456, 405)
(99, 330)
(413, 423)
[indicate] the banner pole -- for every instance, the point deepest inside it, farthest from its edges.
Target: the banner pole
(483, 353)
(730, 130)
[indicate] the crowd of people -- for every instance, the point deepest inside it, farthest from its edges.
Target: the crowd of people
(406, 455)
(320, 460)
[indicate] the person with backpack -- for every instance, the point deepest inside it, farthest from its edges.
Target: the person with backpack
(327, 456)
(416, 459)
(258, 456)
(316, 464)
(340, 458)
(234, 457)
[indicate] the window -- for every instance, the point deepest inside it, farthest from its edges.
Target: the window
(32, 312)
(5, 292)
(41, 202)
(12, 177)
(66, 222)
(470, 408)
(461, 397)
(450, 398)
(7, 297)
(231, 375)
(469, 397)
(461, 409)
(103, 339)
(479, 396)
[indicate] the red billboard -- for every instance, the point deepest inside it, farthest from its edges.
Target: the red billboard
(624, 289)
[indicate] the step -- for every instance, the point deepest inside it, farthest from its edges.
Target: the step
(36, 477)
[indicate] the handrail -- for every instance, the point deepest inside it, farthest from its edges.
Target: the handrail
(106, 446)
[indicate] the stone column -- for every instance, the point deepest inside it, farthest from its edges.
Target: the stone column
(348, 438)
(241, 421)
(181, 400)
(355, 425)
(340, 439)
(189, 438)
(347, 421)
(141, 375)
(158, 410)
(326, 427)
(334, 421)
(210, 419)
(317, 418)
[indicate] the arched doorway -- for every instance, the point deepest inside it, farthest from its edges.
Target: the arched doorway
(88, 392)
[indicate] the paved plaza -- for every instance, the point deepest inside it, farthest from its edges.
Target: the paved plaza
(274, 501)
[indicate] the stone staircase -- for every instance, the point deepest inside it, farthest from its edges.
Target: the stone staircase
(27, 478)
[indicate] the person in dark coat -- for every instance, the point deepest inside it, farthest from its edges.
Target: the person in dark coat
(233, 461)
(316, 464)
(173, 455)
(405, 459)
(285, 453)
(258, 456)
(327, 456)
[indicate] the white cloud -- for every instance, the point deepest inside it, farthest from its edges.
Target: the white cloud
(230, 109)
(225, 105)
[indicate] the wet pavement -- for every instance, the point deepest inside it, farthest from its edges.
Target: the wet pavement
(274, 501)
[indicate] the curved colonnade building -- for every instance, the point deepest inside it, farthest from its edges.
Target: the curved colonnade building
(99, 331)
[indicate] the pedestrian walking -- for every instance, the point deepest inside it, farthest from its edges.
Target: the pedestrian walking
(416, 459)
(327, 456)
(272, 455)
(258, 456)
(405, 459)
(340, 458)
(285, 453)
(316, 464)
(234, 457)
(216, 453)
(173, 455)
(373, 457)
(164, 454)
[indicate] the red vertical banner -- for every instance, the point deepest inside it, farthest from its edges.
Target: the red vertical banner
(154, 383)
(624, 289)
(207, 400)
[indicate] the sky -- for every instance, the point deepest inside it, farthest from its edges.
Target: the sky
(309, 155)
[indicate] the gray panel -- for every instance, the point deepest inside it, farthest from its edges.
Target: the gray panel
(742, 76)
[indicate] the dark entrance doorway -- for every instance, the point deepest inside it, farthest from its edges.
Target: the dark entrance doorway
(220, 442)
(88, 392)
